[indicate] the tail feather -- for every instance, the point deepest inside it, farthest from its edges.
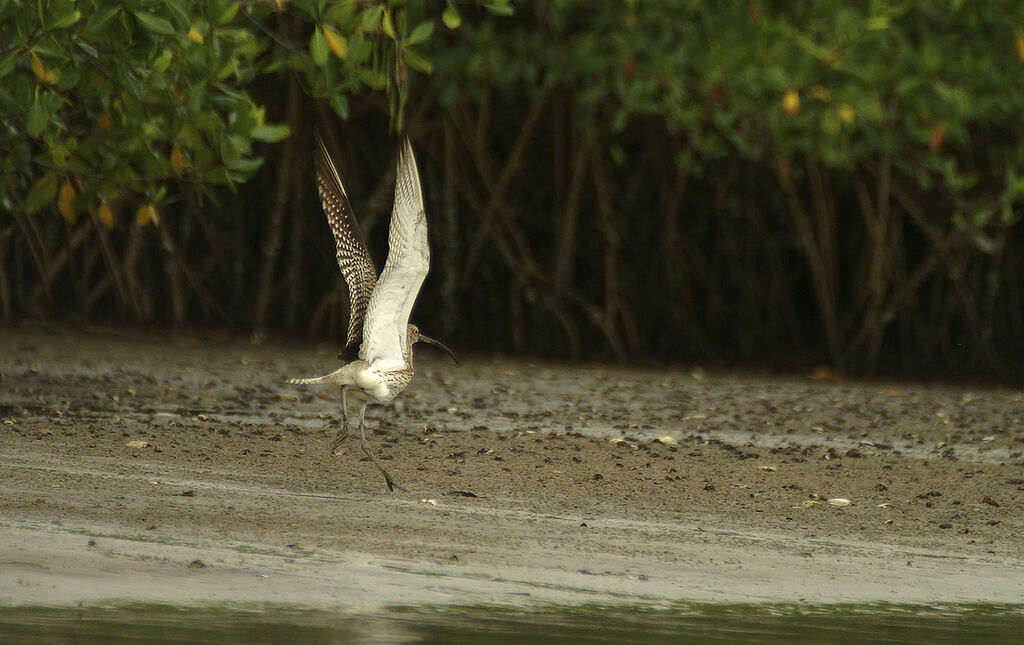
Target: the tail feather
(308, 381)
(333, 377)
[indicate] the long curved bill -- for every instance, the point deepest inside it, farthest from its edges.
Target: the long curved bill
(432, 341)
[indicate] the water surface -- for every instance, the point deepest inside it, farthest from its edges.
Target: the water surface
(710, 623)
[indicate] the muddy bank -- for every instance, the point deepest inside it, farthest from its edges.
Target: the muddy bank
(186, 470)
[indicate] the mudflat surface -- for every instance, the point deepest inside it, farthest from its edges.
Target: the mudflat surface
(186, 470)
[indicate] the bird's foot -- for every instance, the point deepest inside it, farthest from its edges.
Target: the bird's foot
(392, 485)
(338, 438)
(387, 476)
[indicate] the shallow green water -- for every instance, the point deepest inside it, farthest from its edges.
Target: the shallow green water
(683, 623)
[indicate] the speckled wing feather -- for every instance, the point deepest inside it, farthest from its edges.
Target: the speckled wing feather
(385, 335)
(353, 258)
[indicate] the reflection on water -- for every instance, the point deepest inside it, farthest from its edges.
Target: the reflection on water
(734, 624)
(876, 623)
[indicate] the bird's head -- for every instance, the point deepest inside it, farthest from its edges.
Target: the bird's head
(415, 337)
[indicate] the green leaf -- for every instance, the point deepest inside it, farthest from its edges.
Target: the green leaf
(37, 117)
(41, 194)
(8, 62)
(388, 26)
(66, 20)
(180, 13)
(372, 18)
(164, 61)
(340, 12)
(421, 33)
(246, 166)
(372, 78)
(98, 21)
(155, 24)
(318, 48)
(228, 14)
(878, 23)
(271, 133)
(359, 49)
(233, 148)
(451, 18)
(339, 104)
(417, 62)
(500, 8)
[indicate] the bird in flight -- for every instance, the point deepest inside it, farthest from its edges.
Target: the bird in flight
(379, 307)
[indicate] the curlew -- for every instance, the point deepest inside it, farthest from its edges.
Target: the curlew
(379, 307)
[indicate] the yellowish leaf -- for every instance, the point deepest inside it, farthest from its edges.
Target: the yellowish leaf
(791, 102)
(47, 76)
(37, 66)
(147, 214)
(177, 160)
(846, 113)
(280, 5)
(106, 216)
(195, 35)
(336, 42)
(103, 120)
(66, 202)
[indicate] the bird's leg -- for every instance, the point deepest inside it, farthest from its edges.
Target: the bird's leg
(366, 449)
(343, 432)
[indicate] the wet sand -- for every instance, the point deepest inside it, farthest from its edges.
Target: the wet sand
(186, 470)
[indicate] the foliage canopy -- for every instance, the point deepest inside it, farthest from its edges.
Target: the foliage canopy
(627, 178)
(108, 99)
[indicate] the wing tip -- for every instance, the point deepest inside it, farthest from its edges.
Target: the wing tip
(324, 164)
(320, 154)
(407, 184)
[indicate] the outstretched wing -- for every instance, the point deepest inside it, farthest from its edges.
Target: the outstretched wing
(385, 336)
(353, 258)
